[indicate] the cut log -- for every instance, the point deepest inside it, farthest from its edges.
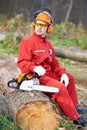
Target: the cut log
(8, 70)
(77, 56)
(33, 110)
(80, 77)
(30, 110)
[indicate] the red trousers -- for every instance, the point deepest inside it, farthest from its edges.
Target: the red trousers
(66, 98)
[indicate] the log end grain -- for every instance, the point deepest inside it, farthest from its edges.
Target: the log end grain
(39, 115)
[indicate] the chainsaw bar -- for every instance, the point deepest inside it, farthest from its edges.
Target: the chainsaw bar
(28, 86)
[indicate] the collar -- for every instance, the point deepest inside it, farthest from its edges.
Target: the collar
(41, 39)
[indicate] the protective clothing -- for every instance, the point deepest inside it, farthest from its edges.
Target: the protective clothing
(37, 51)
(39, 70)
(64, 79)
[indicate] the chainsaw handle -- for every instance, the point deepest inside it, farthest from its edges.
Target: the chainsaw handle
(12, 81)
(35, 75)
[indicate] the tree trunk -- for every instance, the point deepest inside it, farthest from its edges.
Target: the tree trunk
(77, 56)
(69, 10)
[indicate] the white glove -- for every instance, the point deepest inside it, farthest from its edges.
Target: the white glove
(39, 70)
(64, 79)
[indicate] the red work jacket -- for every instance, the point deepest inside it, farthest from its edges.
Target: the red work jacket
(35, 51)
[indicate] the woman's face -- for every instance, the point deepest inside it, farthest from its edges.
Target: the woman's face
(41, 28)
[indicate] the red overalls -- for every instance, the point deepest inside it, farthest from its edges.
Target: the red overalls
(34, 51)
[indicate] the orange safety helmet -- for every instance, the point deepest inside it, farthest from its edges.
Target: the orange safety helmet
(45, 17)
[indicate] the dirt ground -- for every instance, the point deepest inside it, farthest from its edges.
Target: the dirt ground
(82, 94)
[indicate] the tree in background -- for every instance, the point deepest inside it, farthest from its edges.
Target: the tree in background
(64, 10)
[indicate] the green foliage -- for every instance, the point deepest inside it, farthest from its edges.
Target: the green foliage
(65, 123)
(2, 19)
(6, 124)
(68, 34)
(15, 30)
(11, 25)
(62, 42)
(9, 44)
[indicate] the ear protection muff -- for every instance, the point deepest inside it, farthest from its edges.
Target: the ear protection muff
(33, 26)
(49, 29)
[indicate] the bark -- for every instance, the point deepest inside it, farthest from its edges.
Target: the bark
(8, 70)
(3, 105)
(77, 56)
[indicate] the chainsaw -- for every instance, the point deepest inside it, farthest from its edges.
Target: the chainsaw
(30, 81)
